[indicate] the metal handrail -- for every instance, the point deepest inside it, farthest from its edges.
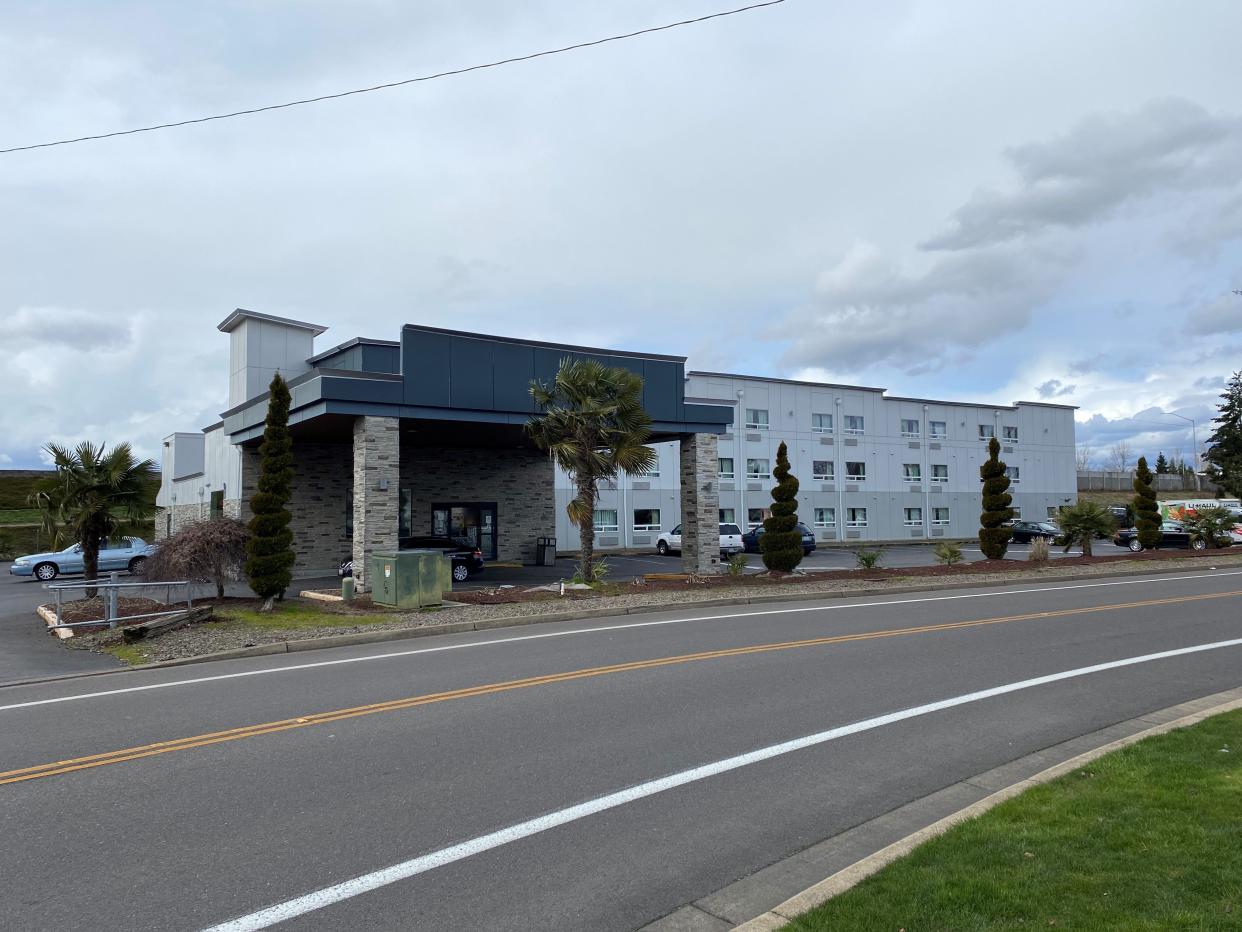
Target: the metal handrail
(110, 586)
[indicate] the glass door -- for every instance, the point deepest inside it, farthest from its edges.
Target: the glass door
(473, 522)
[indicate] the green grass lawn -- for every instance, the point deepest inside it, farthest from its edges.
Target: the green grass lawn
(1147, 838)
(19, 515)
(294, 614)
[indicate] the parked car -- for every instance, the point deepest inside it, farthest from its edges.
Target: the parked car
(1026, 531)
(750, 540)
(730, 541)
(1172, 534)
(125, 553)
(467, 558)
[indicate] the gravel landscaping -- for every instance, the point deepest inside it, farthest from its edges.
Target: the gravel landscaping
(230, 634)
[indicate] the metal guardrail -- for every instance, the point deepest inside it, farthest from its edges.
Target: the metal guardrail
(110, 588)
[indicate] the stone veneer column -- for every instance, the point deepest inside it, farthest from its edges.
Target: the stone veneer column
(377, 462)
(700, 504)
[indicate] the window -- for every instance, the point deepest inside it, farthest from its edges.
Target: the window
(755, 516)
(986, 431)
(853, 423)
(349, 515)
(605, 519)
(1052, 511)
(914, 517)
(756, 419)
(646, 519)
(856, 517)
(1017, 512)
(216, 508)
(726, 515)
(909, 427)
(652, 473)
(1013, 473)
(825, 517)
(1010, 433)
(937, 430)
(913, 472)
(823, 469)
(940, 516)
(724, 467)
(821, 423)
(856, 472)
(940, 472)
(758, 469)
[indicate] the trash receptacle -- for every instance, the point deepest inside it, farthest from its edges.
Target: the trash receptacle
(545, 551)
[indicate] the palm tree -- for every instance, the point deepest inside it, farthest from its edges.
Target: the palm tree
(592, 425)
(1210, 525)
(96, 493)
(1083, 523)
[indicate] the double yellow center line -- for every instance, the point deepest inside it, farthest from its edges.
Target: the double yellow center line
(323, 718)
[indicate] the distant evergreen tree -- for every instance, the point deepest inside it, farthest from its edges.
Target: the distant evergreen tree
(269, 551)
(1147, 512)
(1224, 454)
(994, 534)
(1162, 465)
(781, 543)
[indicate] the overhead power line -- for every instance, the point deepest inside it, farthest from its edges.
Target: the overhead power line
(392, 84)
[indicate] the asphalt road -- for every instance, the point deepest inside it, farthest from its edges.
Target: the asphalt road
(189, 835)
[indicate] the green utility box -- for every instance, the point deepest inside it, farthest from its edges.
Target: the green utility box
(410, 578)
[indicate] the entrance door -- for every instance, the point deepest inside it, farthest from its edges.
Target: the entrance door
(474, 522)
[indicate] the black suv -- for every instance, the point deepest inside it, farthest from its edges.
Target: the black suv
(467, 559)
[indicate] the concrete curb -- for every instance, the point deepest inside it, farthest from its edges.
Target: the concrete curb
(586, 614)
(693, 917)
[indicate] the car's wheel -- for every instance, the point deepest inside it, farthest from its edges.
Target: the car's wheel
(1198, 544)
(46, 572)
(1135, 545)
(461, 572)
(137, 566)
(662, 548)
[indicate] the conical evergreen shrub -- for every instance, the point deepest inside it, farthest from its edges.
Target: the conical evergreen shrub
(781, 543)
(994, 536)
(269, 551)
(1146, 511)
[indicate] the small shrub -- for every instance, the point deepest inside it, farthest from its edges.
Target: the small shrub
(736, 565)
(948, 553)
(594, 574)
(867, 559)
(1039, 551)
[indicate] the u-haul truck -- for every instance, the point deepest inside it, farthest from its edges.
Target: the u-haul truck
(1177, 509)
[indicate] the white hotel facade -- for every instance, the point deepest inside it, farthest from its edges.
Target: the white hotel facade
(870, 467)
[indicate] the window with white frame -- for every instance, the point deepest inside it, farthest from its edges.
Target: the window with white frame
(758, 469)
(937, 430)
(652, 473)
(825, 517)
(724, 467)
(1017, 512)
(1052, 511)
(1009, 433)
(821, 423)
(1014, 473)
(756, 419)
(940, 516)
(986, 431)
(856, 472)
(913, 517)
(646, 519)
(940, 472)
(910, 427)
(726, 515)
(856, 517)
(823, 469)
(605, 519)
(912, 472)
(756, 516)
(854, 424)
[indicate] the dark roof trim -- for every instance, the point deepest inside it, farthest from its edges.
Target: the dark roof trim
(591, 350)
(240, 314)
(720, 402)
(210, 427)
(764, 378)
(356, 341)
(1046, 404)
(189, 475)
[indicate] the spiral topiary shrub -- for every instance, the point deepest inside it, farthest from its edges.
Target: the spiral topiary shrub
(1146, 511)
(994, 535)
(781, 543)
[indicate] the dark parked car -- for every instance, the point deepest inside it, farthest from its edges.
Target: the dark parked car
(467, 559)
(1172, 534)
(1026, 531)
(750, 540)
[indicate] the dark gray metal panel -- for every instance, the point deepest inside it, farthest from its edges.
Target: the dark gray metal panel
(470, 374)
(365, 390)
(662, 386)
(513, 367)
(425, 366)
(380, 358)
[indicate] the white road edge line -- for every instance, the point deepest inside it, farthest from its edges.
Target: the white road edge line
(327, 896)
(596, 630)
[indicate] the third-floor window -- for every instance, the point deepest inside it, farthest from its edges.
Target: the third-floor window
(756, 418)
(909, 427)
(854, 424)
(821, 423)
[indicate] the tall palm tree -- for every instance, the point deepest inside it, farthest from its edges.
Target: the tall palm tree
(96, 493)
(592, 423)
(1083, 523)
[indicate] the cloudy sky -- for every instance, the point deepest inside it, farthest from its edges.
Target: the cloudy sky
(967, 200)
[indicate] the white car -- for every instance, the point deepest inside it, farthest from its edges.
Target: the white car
(730, 540)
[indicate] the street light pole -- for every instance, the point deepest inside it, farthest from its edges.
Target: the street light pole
(1194, 438)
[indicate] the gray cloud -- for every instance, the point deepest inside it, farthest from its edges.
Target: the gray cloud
(29, 327)
(1054, 388)
(1218, 316)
